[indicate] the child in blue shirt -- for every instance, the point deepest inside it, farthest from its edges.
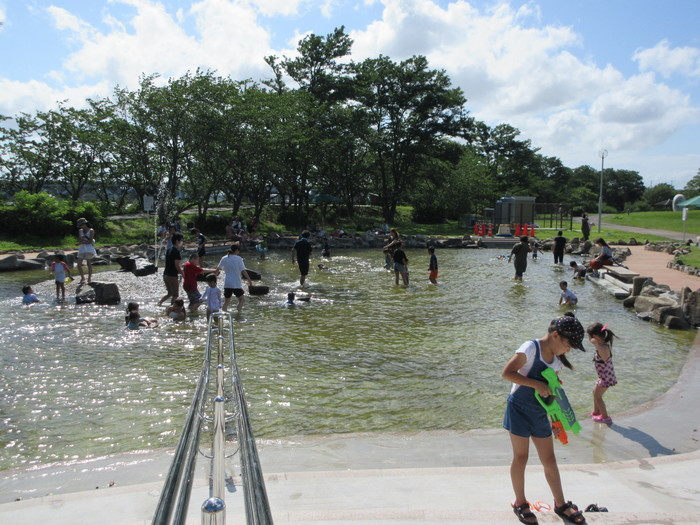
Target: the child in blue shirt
(29, 295)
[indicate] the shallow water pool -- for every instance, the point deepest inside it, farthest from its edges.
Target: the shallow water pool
(363, 355)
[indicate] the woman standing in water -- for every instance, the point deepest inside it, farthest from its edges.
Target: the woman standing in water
(86, 248)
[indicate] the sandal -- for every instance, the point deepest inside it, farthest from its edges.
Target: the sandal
(575, 517)
(524, 515)
(593, 507)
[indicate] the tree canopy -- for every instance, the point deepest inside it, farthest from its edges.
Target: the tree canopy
(322, 124)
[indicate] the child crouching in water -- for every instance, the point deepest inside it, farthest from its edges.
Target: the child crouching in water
(176, 311)
(602, 337)
(212, 295)
(567, 297)
(527, 420)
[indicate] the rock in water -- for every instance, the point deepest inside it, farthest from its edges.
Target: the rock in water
(98, 293)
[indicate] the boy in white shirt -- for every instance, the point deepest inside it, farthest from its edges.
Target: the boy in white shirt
(567, 296)
(212, 295)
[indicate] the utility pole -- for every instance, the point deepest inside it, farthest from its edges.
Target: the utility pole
(602, 153)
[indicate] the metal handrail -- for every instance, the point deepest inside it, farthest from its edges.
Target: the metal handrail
(174, 500)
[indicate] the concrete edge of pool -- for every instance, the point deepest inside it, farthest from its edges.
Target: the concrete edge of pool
(643, 468)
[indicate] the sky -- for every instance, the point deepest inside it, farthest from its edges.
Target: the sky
(574, 76)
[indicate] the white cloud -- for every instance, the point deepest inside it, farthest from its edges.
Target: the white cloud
(228, 39)
(65, 20)
(666, 60)
(29, 97)
(513, 69)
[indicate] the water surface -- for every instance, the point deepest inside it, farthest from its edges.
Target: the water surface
(363, 355)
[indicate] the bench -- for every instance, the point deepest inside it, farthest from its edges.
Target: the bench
(623, 274)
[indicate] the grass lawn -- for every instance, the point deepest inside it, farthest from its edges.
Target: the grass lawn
(660, 220)
(692, 259)
(138, 230)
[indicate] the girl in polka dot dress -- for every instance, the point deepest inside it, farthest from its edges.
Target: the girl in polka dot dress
(602, 337)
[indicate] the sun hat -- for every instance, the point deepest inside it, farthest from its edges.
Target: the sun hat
(570, 328)
(82, 221)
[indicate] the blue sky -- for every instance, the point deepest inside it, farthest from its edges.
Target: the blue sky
(572, 75)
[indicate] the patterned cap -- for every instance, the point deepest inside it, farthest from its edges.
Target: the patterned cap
(572, 329)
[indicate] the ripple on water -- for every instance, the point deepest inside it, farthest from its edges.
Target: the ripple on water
(362, 355)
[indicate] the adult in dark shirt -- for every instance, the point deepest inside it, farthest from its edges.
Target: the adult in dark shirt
(559, 245)
(585, 227)
(301, 253)
(400, 264)
(173, 269)
(520, 251)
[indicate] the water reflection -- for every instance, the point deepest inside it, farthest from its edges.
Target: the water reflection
(362, 355)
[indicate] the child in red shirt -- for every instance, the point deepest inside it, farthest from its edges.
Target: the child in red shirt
(191, 271)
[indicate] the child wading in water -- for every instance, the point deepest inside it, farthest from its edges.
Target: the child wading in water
(527, 420)
(433, 267)
(212, 296)
(60, 269)
(601, 336)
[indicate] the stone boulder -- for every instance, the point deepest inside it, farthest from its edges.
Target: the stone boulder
(455, 242)
(584, 248)
(690, 304)
(662, 312)
(136, 265)
(84, 295)
(9, 262)
(98, 293)
(647, 304)
(30, 264)
(106, 293)
(677, 323)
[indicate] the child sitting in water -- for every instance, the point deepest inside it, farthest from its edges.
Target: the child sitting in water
(176, 311)
(29, 296)
(290, 299)
(134, 307)
(135, 321)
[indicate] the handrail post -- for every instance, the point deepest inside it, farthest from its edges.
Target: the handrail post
(214, 512)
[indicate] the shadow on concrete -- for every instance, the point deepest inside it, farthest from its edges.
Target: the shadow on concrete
(648, 441)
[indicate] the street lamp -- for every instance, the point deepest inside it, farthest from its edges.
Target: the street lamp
(602, 154)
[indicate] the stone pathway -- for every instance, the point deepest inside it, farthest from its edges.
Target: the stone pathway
(648, 263)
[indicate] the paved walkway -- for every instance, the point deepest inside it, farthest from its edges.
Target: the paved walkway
(652, 264)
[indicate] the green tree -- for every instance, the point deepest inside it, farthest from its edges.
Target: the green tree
(659, 193)
(621, 187)
(409, 109)
(30, 152)
(315, 156)
(692, 188)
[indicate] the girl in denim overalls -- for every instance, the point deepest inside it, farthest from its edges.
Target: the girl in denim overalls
(527, 420)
